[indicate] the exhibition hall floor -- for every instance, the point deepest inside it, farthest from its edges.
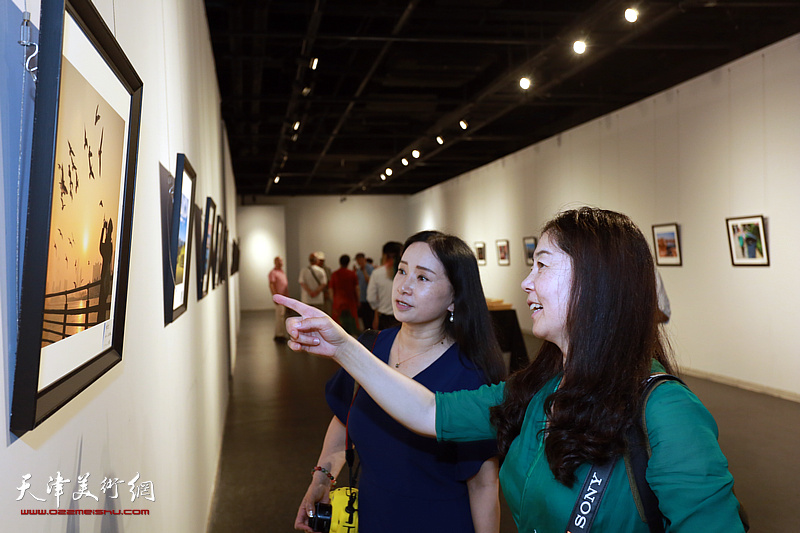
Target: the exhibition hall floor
(277, 417)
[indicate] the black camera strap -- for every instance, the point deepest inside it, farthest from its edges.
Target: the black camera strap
(583, 513)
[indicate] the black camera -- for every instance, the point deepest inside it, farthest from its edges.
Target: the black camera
(321, 521)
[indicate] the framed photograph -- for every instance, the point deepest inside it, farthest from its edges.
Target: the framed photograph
(667, 244)
(176, 275)
(235, 256)
(204, 269)
(747, 238)
(503, 257)
(529, 245)
(480, 252)
(78, 231)
(216, 264)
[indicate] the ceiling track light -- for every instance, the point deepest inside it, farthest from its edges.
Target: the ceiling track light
(383, 177)
(313, 63)
(439, 139)
(579, 46)
(277, 179)
(415, 154)
(306, 91)
(463, 123)
(525, 83)
(631, 14)
(404, 161)
(388, 171)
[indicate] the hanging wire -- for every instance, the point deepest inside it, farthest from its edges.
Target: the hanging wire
(25, 41)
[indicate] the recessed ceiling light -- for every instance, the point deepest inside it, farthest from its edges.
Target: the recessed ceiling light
(631, 14)
(388, 171)
(415, 154)
(579, 47)
(525, 83)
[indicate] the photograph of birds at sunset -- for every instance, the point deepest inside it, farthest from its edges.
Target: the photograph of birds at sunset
(85, 212)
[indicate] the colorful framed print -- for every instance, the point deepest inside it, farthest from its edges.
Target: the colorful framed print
(78, 232)
(747, 239)
(667, 244)
(529, 245)
(207, 247)
(503, 255)
(480, 252)
(176, 276)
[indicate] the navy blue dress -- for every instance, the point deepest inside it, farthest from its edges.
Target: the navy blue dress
(409, 483)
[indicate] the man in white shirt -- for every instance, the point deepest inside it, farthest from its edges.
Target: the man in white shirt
(313, 283)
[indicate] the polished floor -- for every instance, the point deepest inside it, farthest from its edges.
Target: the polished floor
(277, 417)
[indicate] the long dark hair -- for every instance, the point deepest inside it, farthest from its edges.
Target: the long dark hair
(472, 326)
(392, 250)
(613, 334)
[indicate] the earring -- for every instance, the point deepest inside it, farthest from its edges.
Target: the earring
(451, 316)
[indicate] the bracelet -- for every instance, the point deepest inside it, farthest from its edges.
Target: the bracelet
(326, 472)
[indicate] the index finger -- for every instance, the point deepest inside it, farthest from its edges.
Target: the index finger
(306, 311)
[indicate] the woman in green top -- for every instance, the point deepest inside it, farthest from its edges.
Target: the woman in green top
(592, 296)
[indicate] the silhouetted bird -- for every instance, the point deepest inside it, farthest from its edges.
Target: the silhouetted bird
(100, 154)
(85, 138)
(96, 114)
(60, 234)
(101, 203)
(91, 171)
(62, 204)
(71, 152)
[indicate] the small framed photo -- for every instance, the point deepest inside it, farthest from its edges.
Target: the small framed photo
(529, 245)
(178, 260)
(747, 238)
(207, 247)
(480, 252)
(667, 244)
(503, 257)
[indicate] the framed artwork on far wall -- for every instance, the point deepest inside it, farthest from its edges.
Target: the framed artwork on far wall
(76, 258)
(480, 252)
(503, 255)
(667, 244)
(176, 277)
(207, 247)
(529, 245)
(747, 239)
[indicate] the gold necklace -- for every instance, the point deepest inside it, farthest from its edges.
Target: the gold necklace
(398, 363)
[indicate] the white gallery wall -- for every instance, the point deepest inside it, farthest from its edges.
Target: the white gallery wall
(724, 144)
(160, 412)
(312, 223)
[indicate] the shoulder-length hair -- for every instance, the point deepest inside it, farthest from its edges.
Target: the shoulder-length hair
(472, 325)
(613, 335)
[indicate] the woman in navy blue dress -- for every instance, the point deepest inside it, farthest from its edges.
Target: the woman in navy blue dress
(446, 343)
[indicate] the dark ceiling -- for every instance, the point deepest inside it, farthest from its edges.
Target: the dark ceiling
(392, 76)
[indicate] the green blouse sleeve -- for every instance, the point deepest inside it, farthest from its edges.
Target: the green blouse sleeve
(463, 416)
(687, 469)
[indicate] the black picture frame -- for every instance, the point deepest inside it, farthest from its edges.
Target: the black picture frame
(207, 248)
(503, 252)
(667, 244)
(178, 264)
(235, 252)
(216, 270)
(480, 252)
(747, 240)
(529, 246)
(66, 341)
